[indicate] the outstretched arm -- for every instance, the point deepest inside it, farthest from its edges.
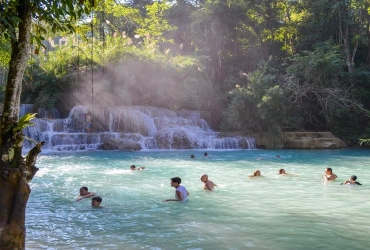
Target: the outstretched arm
(91, 194)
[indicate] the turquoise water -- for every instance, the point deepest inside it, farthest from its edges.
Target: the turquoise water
(274, 212)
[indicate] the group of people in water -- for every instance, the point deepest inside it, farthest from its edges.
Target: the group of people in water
(181, 193)
(328, 176)
(95, 200)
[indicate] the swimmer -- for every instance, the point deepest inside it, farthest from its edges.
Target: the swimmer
(181, 194)
(192, 156)
(133, 167)
(208, 184)
(256, 173)
(351, 181)
(329, 175)
(205, 154)
(95, 201)
(282, 172)
(84, 193)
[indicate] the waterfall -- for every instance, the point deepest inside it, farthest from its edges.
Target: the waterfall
(41, 112)
(128, 128)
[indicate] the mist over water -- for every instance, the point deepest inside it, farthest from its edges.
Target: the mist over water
(143, 81)
(273, 212)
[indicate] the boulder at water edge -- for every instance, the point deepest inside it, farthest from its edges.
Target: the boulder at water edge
(120, 144)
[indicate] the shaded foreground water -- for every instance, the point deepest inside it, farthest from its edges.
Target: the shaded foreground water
(274, 212)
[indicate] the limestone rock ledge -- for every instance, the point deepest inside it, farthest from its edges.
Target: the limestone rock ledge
(120, 144)
(304, 140)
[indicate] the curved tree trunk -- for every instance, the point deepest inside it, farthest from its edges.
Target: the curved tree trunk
(15, 171)
(13, 201)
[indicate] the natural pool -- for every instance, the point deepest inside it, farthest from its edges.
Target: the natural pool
(274, 212)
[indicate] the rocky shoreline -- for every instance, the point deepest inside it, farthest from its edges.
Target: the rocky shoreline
(302, 140)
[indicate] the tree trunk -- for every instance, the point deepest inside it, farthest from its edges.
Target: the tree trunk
(15, 171)
(368, 42)
(17, 66)
(15, 192)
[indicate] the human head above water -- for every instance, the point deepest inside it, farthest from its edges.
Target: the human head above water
(84, 190)
(282, 171)
(95, 201)
(97, 198)
(353, 177)
(257, 173)
(329, 170)
(204, 177)
(176, 180)
(133, 167)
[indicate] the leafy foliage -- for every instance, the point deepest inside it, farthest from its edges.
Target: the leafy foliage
(50, 16)
(154, 24)
(24, 122)
(259, 105)
(192, 54)
(316, 82)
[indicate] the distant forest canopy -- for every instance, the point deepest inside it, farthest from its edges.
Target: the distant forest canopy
(257, 65)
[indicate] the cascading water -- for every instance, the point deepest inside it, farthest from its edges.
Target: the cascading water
(128, 128)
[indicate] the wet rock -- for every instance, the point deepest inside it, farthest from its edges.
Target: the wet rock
(174, 139)
(120, 144)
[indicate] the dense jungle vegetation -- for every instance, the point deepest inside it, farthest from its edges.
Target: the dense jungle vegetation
(255, 65)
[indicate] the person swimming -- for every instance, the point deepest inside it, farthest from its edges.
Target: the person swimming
(84, 193)
(208, 184)
(282, 172)
(351, 181)
(96, 201)
(329, 175)
(256, 173)
(181, 194)
(133, 167)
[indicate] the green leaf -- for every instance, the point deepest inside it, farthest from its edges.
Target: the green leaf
(24, 122)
